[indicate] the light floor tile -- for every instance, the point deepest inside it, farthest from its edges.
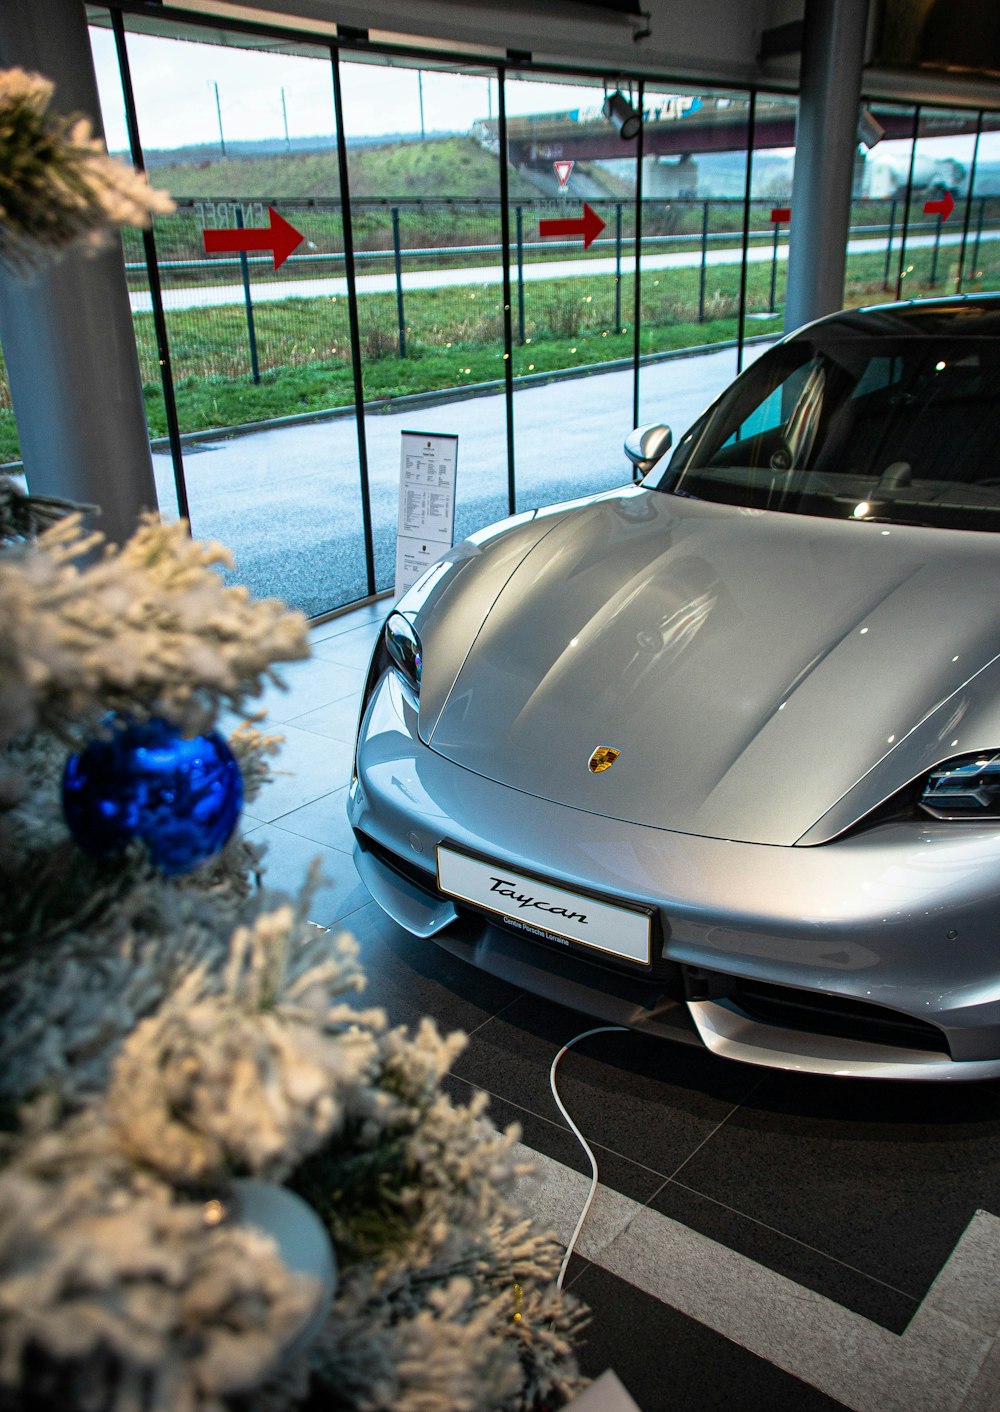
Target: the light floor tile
(324, 821)
(309, 685)
(287, 862)
(352, 649)
(339, 719)
(968, 1288)
(984, 1394)
(346, 622)
(308, 767)
(555, 1195)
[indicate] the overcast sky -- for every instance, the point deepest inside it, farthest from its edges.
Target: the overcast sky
(175, 90)
(175, 94)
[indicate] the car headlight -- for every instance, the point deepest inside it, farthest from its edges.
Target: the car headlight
(403, 646)
(967, 787)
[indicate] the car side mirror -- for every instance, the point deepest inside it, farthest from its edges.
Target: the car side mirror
(645, 446)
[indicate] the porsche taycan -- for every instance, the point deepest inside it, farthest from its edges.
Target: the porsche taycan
(716, 755)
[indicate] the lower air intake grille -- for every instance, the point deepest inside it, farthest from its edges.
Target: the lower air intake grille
(833, 1015)
(420, 877)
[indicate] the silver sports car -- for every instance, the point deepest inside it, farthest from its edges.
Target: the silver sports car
(717, 755)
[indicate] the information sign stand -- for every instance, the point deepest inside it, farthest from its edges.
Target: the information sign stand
(426, 528)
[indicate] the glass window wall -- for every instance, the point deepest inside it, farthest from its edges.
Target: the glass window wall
(981, 267)
(425, 199)
(772, 171)
(403, 306)
(878, 205)
(694, 187)
(926, 205)
(573, 286)
(940, 177)
(245, 140)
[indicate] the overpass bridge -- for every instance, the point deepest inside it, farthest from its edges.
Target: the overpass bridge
(683, 127)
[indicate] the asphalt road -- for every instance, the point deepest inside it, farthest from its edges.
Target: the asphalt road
(287, 500)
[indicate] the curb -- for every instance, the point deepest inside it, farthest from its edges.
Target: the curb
(388, 405)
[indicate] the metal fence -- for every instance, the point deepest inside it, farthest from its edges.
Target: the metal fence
(430, 289)
(235, 316)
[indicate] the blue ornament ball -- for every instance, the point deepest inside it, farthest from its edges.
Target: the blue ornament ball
(143, 779)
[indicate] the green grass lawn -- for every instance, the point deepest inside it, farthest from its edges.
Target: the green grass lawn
(454, 339)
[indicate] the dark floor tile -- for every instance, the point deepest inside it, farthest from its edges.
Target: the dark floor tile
(884, 1177)
(669, 1363)
(555, 1140)
(796, 1261)
(651, 1101)
(410, 977)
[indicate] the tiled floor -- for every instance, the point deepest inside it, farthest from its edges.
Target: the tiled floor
(792, 1228)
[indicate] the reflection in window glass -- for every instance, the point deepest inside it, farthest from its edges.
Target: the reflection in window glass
(878, 206)
(425, 202)
(859, 427)
(942, 170)
(772, 172)
(982, 254)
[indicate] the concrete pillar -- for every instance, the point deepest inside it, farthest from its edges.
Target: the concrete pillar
(67, 331)
(670, 178)
(833, 45)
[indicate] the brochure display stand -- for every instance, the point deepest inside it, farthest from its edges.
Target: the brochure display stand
(426, 527)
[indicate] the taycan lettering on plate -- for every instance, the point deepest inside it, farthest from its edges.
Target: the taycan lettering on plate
(506, 889)
(560, 913)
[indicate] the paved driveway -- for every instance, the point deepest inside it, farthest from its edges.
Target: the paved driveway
(287, 501)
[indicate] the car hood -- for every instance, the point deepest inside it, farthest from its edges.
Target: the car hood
(750, 667)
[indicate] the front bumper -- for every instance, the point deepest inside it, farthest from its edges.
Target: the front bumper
(875, 956)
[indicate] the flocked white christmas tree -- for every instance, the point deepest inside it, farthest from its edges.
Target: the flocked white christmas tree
(164, 1038)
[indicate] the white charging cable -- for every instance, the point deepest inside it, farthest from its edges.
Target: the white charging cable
(602, 1029)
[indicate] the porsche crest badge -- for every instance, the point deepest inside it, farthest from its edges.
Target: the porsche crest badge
(602, 759)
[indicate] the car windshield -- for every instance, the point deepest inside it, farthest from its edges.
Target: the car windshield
(902, 429)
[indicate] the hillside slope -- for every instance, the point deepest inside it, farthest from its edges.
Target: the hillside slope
(448, 167)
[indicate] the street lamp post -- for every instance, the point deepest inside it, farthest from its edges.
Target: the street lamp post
(284, 114)
(218, 113)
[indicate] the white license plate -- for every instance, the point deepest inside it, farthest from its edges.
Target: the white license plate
(544, 909)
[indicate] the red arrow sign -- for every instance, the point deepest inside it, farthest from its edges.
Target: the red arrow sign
(279, 237)
(942, 208)
(589, 225)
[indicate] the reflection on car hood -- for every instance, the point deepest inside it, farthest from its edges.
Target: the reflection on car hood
(750, 667)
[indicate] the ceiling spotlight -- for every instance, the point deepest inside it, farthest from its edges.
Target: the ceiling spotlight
(870, 130)
(619, 111)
